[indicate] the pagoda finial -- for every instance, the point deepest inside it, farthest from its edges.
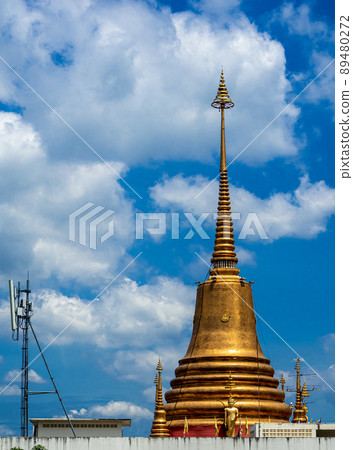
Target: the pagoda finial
(224, 258)
(305, 392)
(298, 413)
(282, 381)
(159, 426)
(297, 365)
(222, 99)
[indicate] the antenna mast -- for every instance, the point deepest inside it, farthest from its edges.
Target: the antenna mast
(21, 313)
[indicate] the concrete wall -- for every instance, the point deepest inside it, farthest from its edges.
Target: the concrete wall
(170, 443)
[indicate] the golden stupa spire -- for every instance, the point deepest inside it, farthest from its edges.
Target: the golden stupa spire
(159, 426)
(224, 356)
(305, 392)
(298, 398)
(223, 258)
(299, 413)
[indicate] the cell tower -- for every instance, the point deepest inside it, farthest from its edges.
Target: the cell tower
(21, 313)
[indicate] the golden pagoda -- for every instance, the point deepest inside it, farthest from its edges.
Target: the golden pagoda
(224, 338)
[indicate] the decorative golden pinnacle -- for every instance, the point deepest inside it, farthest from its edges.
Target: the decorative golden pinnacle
(222, 99)
(159, 426)
(159, 365)
(297, 366)
(305, 392)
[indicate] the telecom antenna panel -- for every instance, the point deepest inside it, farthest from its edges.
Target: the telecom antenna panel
(21, 309)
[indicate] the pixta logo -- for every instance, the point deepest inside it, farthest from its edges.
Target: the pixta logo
(156, 224)
(84, 222)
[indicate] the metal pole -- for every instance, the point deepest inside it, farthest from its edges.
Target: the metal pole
(24, 368)
(24, 382)
(52, 379)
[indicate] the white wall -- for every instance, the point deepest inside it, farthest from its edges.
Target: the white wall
(170, 443)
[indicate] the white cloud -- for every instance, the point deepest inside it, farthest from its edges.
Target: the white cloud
(142, 78)
(33, 376)
(142, 363)
(299, 21)
(14, 389)
(82, 412)
(302, 213)
(114, 409)
(37, 198)
(139, 322)
(164, 305)
(120, 409)
(324, 86)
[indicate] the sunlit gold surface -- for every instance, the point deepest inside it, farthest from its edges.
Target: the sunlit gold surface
(215, 349)
(224, 337)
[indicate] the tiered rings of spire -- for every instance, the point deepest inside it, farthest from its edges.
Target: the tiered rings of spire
(224, 338)
(222, 100)
(224, 258)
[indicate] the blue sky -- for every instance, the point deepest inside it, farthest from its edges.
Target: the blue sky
(135, 81)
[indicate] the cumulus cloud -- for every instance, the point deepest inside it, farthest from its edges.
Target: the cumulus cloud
(142, 363)
(131, 76)
(135, 324)
(164, 305)
(303, 213)
(113, 409)
(38, 195)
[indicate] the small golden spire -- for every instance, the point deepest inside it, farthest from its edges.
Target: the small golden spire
(223, 258)
(297, 366)
(282, 381)
(305, 392)
(222, 99)
(298, 399)
(299, 415)
(159, 426)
